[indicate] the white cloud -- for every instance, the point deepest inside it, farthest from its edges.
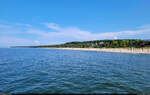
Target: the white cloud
(73, 33)
(52, 26)
(116, 38)
(57, 35)
(37, 42)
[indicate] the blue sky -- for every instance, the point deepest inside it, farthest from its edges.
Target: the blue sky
(42, 22)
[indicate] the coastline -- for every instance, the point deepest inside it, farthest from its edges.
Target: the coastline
(117, 50)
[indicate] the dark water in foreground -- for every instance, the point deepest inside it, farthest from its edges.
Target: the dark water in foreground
(68, 71)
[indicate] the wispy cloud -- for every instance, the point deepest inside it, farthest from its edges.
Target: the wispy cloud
(75, 33)
(4, 26)
(146, 26)
(11, 41)
(24, 25)
(57, 34)
(52, 26)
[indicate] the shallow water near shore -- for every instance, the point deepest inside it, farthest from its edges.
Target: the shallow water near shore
(27, 70)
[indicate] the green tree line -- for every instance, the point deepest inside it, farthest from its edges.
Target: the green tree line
(124, 43)
(103, 43)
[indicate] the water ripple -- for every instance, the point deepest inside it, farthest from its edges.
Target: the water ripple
(62, 71)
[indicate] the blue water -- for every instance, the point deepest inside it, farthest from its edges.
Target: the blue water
(67, 71)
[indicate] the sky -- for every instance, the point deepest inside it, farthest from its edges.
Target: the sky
(47, 22)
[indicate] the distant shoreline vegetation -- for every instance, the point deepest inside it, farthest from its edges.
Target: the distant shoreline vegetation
(125, 43)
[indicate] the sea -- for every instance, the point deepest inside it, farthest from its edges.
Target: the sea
(35, 70)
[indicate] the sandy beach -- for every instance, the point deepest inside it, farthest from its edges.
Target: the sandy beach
(119, 50)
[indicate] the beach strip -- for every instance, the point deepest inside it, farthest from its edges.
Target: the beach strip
(119, 50)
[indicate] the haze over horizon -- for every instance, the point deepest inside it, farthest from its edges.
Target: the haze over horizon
(30, 22)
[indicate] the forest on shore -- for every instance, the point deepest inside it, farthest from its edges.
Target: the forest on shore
(122, 43)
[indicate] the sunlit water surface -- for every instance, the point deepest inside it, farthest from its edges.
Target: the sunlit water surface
(69, 71)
